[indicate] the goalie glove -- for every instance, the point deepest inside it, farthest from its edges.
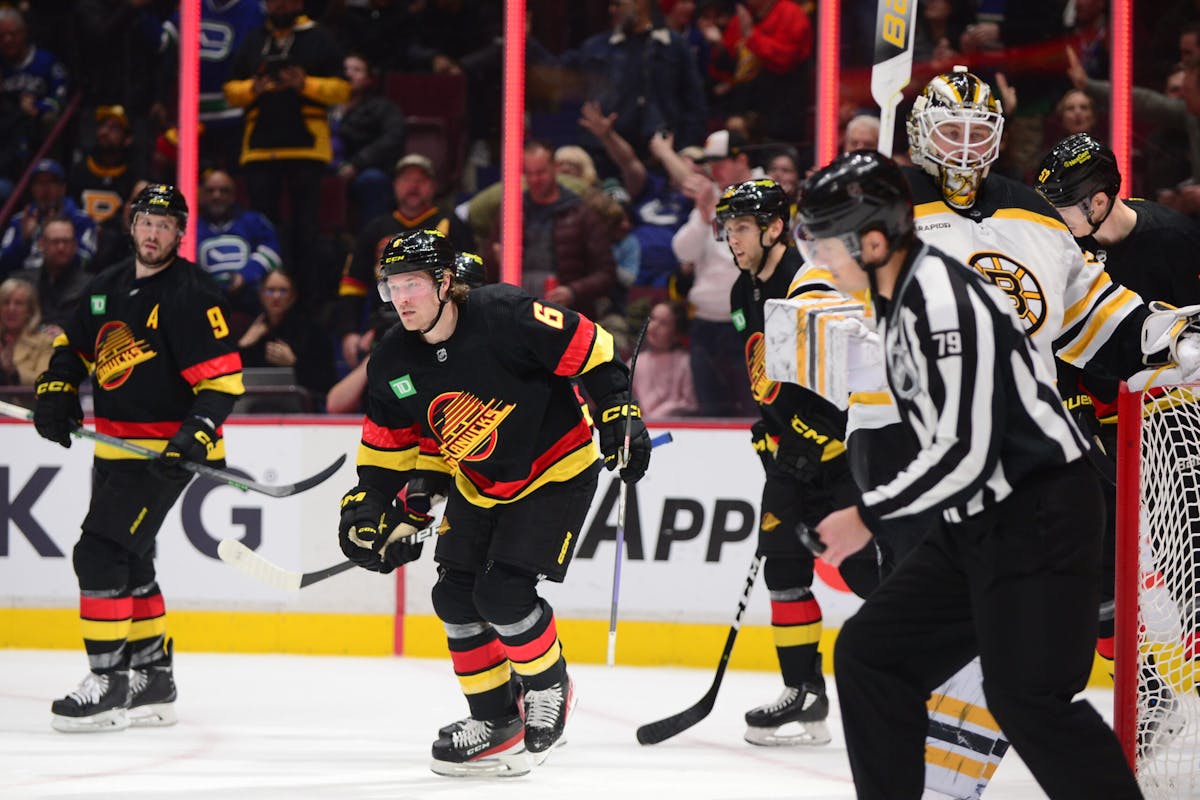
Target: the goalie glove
(1165, 329)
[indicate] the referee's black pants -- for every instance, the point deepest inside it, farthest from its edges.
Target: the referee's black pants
(1016, 584)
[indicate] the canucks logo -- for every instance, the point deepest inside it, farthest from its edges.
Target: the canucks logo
(118, 351)
(763, 388)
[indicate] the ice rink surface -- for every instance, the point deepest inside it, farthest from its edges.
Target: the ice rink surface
(269, 726)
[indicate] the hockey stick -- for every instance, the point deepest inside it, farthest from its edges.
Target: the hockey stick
(242, 558)
(663, 729)
(892, 68)
(237, 555)
(218, 475)
(622, 491)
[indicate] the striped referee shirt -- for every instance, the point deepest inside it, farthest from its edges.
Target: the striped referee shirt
(980, 404)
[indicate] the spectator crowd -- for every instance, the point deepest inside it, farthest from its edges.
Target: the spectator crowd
(329, 127)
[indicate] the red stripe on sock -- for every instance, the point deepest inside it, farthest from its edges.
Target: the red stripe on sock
(477, 659)
(535, 649)
(149, 607)
(799, 612)
(106, 609)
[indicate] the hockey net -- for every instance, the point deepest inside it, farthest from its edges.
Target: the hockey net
(1157, 709)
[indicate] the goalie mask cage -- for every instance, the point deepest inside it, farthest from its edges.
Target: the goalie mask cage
(1156, 705)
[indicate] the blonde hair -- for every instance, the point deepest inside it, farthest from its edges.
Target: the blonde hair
(579, 158)
(9, 286)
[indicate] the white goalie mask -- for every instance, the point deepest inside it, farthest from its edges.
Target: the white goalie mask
(954, 132)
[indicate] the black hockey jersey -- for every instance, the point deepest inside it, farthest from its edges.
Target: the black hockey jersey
(494, 405)
(1158, 260)
(153, 346)
(789, 411)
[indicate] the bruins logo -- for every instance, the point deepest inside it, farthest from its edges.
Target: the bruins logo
(1018, 283)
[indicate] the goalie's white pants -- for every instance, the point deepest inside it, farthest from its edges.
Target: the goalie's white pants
(965, 743)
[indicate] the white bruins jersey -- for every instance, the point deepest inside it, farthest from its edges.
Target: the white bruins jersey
(1067, 303)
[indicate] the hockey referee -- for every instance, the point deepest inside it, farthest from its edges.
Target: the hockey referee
(1011, 571)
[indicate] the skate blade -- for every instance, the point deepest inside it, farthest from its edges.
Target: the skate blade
(798, 734)
(505, 765)
(155, 715)
(104, 722)
(540, 757)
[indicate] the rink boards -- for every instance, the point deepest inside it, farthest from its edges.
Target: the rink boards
(690, 534)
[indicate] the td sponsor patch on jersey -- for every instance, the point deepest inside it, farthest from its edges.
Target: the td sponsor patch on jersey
(99, 304)
(403, 386)
(739, 319)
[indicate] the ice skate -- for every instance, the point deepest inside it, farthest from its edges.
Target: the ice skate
(481, 748)
(98, 705)
(545, 714)
(796, 718)
(152, 693)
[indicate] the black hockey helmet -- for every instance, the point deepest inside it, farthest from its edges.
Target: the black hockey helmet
(468, 268)
(857, 192)
(1077, 168)
(163, 199)
(419, 251)
(763, 199)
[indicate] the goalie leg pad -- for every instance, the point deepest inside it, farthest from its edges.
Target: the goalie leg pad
(965, 743)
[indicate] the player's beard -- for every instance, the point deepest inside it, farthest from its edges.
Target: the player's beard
(164, 257)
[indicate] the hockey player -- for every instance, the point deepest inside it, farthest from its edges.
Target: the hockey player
(1011, 571)
(799, 439)
(165, 372)
(1068, 305)
(1152, 250)
(479, 384)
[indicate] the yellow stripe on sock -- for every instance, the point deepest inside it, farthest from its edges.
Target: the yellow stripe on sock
(105, 630)
(483, 681)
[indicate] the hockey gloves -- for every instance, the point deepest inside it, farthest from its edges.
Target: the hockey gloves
(610, 422)
(763, 444)
(372, 532)
(194, 441)
(57, 411)
(785, 457)
(1083, 412)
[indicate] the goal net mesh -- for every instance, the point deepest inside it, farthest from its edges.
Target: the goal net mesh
(1167, 718)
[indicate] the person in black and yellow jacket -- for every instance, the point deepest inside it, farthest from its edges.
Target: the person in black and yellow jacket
(287, 74)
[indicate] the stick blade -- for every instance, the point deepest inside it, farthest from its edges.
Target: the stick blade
(288, 489)
(242, 558)
(663, 729)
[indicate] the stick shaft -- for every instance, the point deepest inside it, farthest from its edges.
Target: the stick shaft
(622, 461)
(663, 729)
(215, 473)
